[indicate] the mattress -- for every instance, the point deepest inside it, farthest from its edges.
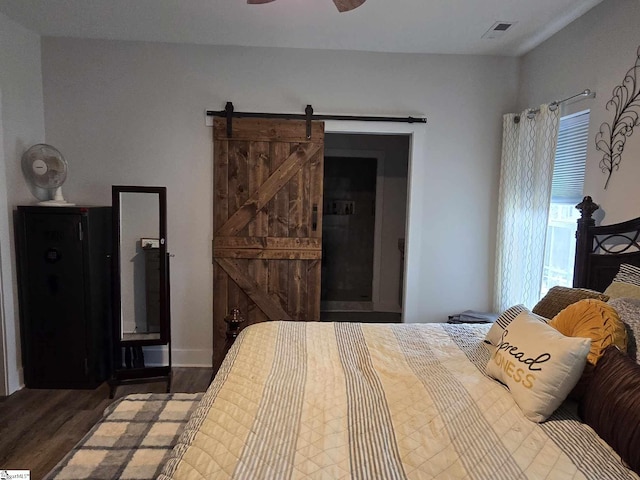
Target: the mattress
(346, 400)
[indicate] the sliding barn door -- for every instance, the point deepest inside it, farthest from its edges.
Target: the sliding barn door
(267, 205)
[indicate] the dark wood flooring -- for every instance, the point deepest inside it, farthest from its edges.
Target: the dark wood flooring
(38, 427)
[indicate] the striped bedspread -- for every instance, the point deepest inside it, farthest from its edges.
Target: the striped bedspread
(347, 400)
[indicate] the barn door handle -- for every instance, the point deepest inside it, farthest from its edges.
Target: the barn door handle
(314, 218)
(309, 116)
(229, 112)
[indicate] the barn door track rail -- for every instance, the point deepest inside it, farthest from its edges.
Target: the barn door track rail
(229, 113)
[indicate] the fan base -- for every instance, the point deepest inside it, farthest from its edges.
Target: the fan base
(56, 203)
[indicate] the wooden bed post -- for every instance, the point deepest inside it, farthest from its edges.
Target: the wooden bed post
(584, 241)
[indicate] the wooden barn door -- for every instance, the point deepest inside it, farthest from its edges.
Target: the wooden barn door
(267, 244)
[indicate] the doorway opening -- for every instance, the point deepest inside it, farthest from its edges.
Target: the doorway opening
(348, 224)
(363, 227)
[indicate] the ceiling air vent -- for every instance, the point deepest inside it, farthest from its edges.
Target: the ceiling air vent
(498, 29)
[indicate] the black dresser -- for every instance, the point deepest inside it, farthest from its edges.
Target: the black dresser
(64, 271)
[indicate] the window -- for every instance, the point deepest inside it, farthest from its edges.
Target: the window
(566, 192)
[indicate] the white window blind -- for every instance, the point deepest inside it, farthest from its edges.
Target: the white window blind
(571, 153)
(566, 191)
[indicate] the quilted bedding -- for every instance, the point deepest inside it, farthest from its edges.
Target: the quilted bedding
(369, 401)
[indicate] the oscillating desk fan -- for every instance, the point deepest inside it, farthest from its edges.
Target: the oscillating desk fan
(45, 167)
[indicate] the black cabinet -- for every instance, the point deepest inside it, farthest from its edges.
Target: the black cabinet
(64, 290)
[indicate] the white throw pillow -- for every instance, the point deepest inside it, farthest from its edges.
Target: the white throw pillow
(538, 364)
(495, 332)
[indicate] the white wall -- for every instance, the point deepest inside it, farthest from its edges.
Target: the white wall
(595, 52)
(23, 125)
(132, 113)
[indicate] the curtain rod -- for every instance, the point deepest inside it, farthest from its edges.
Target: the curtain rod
(585, 93)
(308, 115)
(556, 103)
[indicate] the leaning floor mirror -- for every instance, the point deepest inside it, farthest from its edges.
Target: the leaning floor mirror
(141, 315)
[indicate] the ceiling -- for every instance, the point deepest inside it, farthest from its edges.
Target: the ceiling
(412, 26)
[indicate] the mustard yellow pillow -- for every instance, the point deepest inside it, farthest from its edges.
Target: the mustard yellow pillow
(592, 319)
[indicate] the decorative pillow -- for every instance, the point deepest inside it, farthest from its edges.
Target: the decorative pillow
(505, 318)
(595, 320)
(592, 319)
(558, 298)
(623, 290)
(629, 311)
(626, 283)
(611, 405)
(538, 364)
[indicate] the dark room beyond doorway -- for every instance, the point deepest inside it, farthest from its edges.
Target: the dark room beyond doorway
(364, 216)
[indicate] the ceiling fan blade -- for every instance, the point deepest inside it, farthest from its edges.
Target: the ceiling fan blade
(347, 5)
(258, 2)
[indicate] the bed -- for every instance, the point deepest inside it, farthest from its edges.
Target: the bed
(347, 400)
(369, 401)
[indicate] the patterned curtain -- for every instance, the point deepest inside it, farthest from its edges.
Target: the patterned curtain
(528, 152)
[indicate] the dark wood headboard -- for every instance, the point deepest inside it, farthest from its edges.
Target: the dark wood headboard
(601, 250)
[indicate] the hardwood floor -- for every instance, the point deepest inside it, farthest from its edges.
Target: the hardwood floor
(38, 427)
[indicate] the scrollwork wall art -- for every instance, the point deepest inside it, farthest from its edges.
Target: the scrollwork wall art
(612, 137)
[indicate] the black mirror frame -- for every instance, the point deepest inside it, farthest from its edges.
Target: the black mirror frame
(165, 334)
(144, 374)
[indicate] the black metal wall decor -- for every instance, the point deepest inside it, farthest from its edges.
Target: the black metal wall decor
(612, 137)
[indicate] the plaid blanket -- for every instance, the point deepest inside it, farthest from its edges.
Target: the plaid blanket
(132, 440)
